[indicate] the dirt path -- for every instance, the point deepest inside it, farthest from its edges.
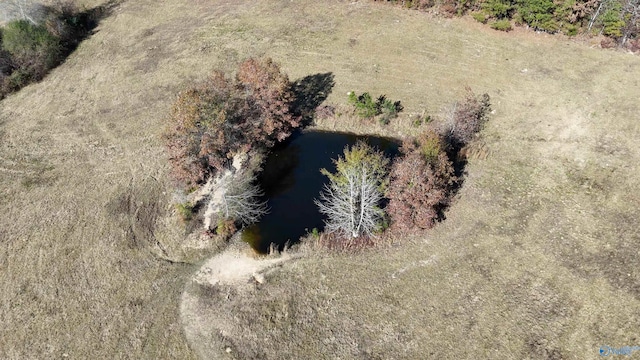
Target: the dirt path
(234, 271)
(235, 268)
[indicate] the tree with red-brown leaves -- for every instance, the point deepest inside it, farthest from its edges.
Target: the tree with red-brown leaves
(421, 182)
(221, 117)
(423, 179)
(269, 98)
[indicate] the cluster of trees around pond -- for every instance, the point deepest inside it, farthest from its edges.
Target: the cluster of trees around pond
(616, 19)
(213, 122)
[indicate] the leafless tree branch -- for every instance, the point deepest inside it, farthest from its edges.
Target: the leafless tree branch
(242, 202)
(350, 201)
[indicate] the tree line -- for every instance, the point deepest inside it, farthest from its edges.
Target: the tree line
(616, 19)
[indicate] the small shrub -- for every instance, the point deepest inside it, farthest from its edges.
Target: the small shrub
(185, 211)
(499, 9)
(366, 108)
(324, 112)
(419, 4)
(608, 43)
(479, 17)
(385, 224)
(18, 79)
(612, 23)
(570, 30)
(430, 145)
(417, 121)
(388, 109)
(540, 14)
(518, 20)
(226, 228)
(502, 25)
(413, 4)
(448, 10)
(364, 105)
(31, 47)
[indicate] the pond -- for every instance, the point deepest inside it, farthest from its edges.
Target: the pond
(291, 180)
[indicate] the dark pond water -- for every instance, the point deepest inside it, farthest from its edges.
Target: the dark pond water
(291, 180)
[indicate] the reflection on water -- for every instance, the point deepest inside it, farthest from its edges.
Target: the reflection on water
(251, 235)
(291, 180)
(279, 170)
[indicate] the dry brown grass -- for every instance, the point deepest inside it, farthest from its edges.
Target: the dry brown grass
(538, 257)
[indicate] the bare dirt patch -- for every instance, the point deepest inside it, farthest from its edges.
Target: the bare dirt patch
(229, 275)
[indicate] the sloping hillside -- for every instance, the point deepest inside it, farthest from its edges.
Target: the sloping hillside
(538, 257)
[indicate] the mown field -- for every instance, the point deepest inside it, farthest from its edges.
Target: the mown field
(538, 257)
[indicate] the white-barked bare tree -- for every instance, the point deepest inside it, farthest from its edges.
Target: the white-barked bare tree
(242, 201)
(351, 200)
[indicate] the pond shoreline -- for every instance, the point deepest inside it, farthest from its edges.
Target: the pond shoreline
(291, 180)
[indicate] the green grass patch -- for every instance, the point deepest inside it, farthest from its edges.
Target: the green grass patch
(502, 25)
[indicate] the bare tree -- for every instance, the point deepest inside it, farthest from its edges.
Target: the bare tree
(631, 13)
(242, 201)
(595, 15)
(465, 118)
(351, 199)
(22, 4)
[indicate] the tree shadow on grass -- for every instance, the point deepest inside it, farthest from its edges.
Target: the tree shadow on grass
(79, 25)
(310, 91)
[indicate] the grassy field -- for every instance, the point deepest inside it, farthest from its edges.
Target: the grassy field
(538, 257)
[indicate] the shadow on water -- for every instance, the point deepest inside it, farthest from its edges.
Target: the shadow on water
(278, 175)
(291, 180)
